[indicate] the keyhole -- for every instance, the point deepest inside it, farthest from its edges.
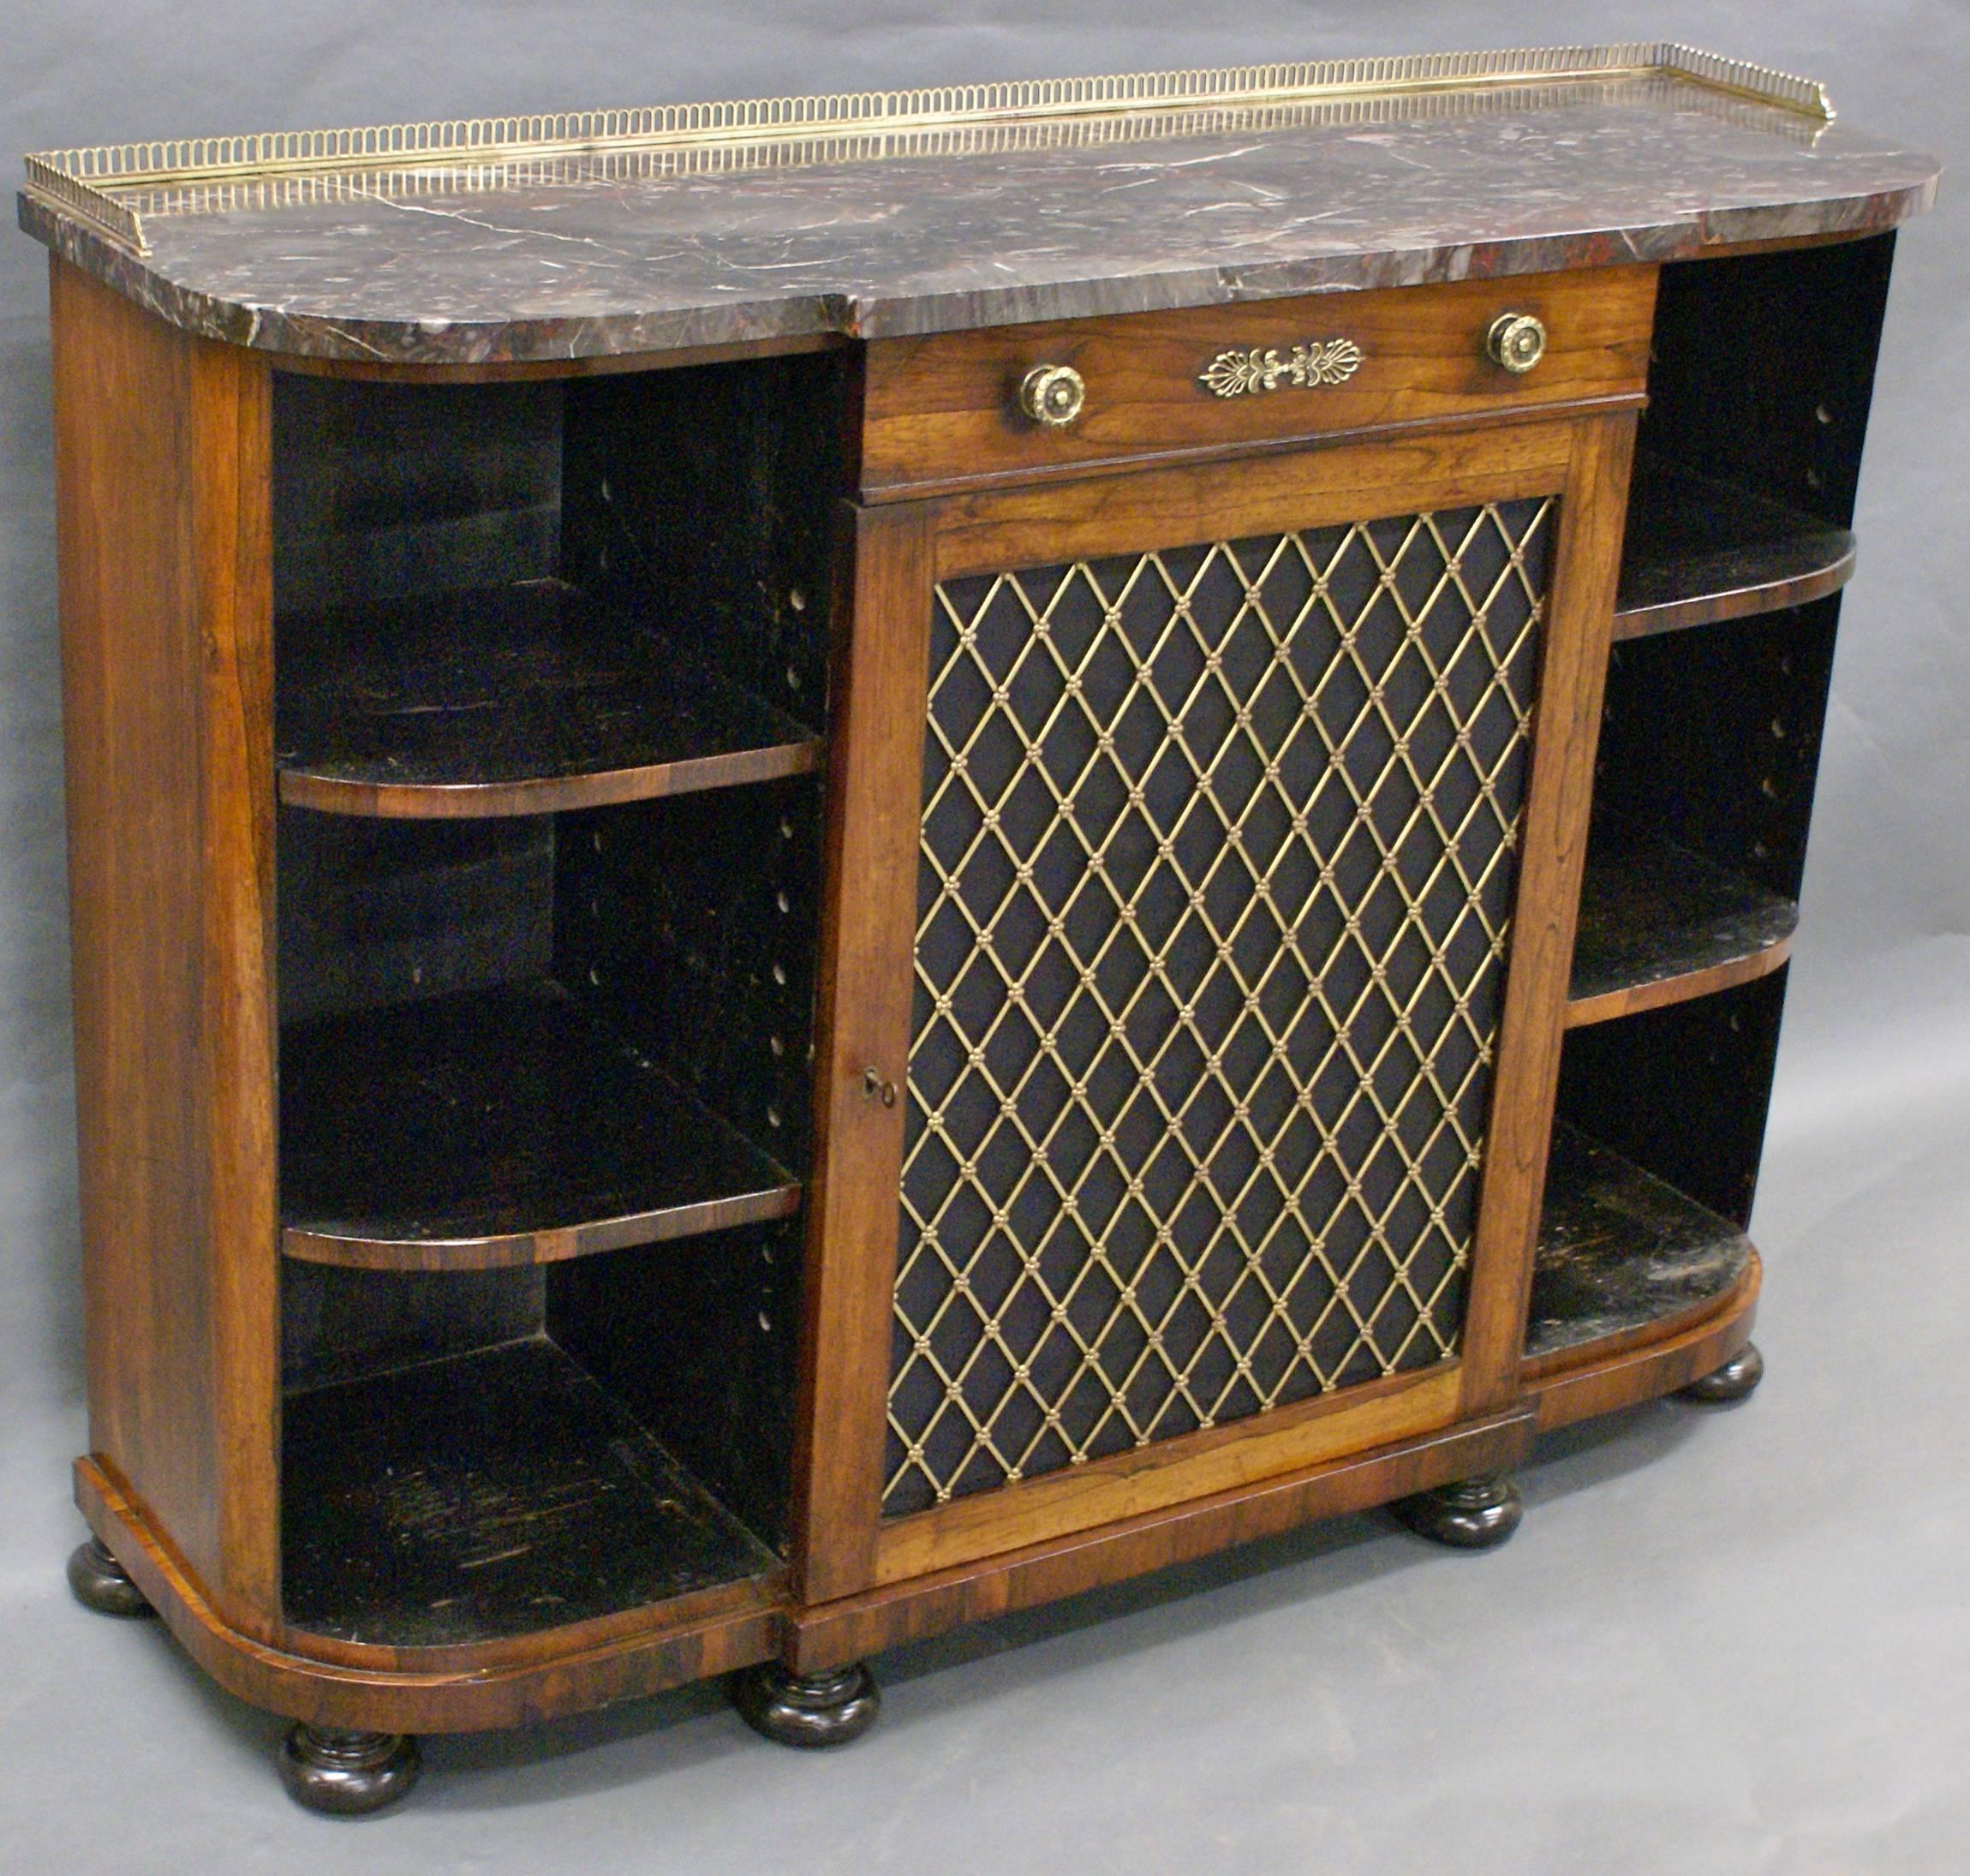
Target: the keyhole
(874, 1088)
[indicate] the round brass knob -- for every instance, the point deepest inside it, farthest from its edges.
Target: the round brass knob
(1052, 395)
(1517, 341)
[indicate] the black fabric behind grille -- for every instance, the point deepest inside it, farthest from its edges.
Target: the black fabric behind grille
(1186, 1283)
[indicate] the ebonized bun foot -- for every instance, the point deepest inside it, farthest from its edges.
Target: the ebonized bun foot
(1472, 1514)
(807, 1709)
(1734, 1381)
(102, 1584)
(347, 1774)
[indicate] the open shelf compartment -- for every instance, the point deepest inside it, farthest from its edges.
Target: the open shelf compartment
(471, 1457)
(489, 1496)
(543, 1037)
(523, 697)
(538, 596)
(1621, 1253)
(503, 1125)
(1700, 549)
(1761, 371)
(1659, 924)
(552, 655)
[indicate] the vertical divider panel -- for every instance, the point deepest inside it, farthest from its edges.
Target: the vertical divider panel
(868, 931)
(1553, 858)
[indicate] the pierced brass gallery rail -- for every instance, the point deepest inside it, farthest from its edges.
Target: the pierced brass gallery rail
(202, 173)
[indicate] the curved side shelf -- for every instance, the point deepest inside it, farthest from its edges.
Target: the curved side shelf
(525, 698)
(487, 1497)
(327, 793)
(1700, 551)
(1659, 925)
(496, 1128)
(1623, 1257)
(1586, 1382)
(566, 1670)
(311, 1243)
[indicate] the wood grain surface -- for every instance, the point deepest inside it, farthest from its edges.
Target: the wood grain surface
(163, 534)
(943, 411)
(1553, 857)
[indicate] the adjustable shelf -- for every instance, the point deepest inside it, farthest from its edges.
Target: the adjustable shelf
(1659, 925)
(489, 1496)
(1700, 549)
(497, 1127)
(523, 697)
(1622, 1255)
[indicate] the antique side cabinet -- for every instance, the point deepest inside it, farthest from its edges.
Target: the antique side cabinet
(840, 863)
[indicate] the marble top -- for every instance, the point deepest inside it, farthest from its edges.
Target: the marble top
(594, 255)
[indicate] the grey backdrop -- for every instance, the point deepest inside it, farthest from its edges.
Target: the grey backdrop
(1753, 1656)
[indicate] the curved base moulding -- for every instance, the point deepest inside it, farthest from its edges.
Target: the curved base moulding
(349, 1687)
(345, 1688)
(1599, 1377)
(835, 1634)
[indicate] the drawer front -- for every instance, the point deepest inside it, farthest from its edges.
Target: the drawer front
(947, 411)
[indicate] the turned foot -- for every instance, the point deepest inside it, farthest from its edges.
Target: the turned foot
(1472, 1514)
(102, 1584)
(1734, 1381)
(347, 1774)
(808, 1709)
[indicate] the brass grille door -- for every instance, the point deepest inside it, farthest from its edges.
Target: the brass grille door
(1218, 857)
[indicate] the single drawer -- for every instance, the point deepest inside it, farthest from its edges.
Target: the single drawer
(1011, 402)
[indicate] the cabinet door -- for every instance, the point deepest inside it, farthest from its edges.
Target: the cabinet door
(1205, 845)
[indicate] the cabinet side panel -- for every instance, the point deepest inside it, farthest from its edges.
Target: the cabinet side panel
(163, 516)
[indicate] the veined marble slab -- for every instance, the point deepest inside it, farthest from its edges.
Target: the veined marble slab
(597, 255)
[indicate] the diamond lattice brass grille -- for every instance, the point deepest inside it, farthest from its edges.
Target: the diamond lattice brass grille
(1219, 847)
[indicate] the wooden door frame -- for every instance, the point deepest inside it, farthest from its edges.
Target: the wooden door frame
(894, 556)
